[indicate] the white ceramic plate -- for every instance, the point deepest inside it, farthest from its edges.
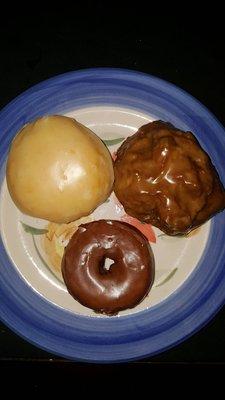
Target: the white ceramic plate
(114, 104)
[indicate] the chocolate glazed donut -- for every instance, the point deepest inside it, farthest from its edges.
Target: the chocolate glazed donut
(108, 290)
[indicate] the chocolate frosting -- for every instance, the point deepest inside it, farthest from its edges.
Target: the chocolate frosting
(126, 282)
(164, 177)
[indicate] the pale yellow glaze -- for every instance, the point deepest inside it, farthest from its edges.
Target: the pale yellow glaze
(58, 170)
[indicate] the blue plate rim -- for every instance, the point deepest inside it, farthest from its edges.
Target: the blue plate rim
(216, 222)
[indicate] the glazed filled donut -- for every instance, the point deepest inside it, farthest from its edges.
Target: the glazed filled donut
(58, 169)
(108, 289)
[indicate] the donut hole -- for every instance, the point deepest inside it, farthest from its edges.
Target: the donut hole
(106, 264)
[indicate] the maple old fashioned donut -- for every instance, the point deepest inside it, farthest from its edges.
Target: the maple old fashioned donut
(108, 289)
(164, 177)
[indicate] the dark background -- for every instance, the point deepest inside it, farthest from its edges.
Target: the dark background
(187, 52)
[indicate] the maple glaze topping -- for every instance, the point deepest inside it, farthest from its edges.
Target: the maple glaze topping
(164, 177)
